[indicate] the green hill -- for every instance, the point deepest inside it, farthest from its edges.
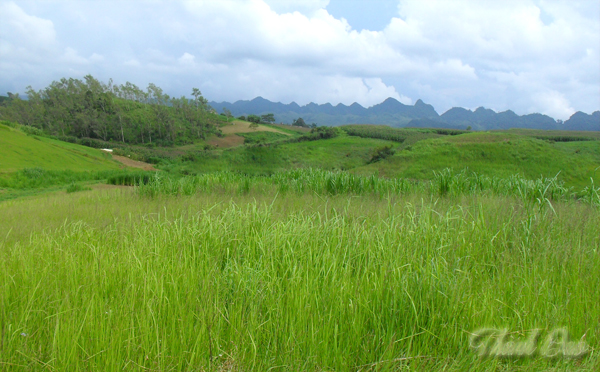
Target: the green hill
(500, 154)
(418, 153)
(19, 150)
(342, 152)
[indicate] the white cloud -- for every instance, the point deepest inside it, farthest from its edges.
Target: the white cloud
(71, 56)
(302, 6)
(24, 38)
(187, 59)
(96, 58)
(552, 103)
(18, 26)
(132, 63)
(525, 55)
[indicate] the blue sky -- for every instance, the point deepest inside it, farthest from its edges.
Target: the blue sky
(524, 55)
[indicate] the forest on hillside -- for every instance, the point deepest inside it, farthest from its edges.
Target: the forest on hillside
(73, 108)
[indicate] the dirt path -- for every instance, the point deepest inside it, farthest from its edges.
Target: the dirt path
(133, 163)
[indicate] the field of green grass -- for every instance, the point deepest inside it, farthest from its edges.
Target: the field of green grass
(32, 165)
(343, 152)
(18, 151)
(302, 254)
(243, 274)
(498, 154)
(418, 154)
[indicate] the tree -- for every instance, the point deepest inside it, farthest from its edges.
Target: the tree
(299, 123)
(227, 113)
(91, 109)
(268, 118)
(253, 118)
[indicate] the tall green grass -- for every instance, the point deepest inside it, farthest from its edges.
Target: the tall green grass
(37, 178)
(444, 183)
(223, 282)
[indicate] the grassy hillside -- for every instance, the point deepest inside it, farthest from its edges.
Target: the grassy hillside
(343, 152)
(500, 154)
(18, 151)
(419, 152)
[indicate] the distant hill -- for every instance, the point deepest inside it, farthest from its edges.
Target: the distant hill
(390, 112)
(583, 121)
(393, 113)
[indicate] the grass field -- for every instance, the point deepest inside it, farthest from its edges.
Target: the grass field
(495, 154)
(342, 152)
(288, 254)
(249, 278)
(18, 151)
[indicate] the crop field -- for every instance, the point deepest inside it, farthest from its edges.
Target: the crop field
(302, 270)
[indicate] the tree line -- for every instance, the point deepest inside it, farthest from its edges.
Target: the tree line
(124, 113)
(269, 119)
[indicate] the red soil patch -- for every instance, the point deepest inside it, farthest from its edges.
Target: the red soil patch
(133, 163)
(231, 140)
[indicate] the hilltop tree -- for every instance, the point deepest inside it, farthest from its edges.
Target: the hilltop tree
(268, 118)
(254, 118)
(227, 113)
(299, 123)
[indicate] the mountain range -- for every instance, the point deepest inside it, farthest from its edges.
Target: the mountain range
(396, 114)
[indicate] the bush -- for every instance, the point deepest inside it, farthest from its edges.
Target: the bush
(74, 187)
(381, 153)
(32, 131)
(319, 133)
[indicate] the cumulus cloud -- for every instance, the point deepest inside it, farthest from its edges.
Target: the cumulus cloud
(525, 55)
(24, 36)
(555, 104)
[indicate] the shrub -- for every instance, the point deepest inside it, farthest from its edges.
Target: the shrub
(74, 187)
(381, 153)
(32, 131)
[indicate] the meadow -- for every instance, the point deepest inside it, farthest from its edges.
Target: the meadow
(291, 272)
(301, 252)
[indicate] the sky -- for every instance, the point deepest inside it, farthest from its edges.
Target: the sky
(524, 55)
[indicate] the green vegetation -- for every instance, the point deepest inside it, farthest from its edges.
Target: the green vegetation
(542, 191)
(261, 278)
(291, 252)
(74, 187)
(71, 108)
(381, 153)
(557, 135)
(262, 137)
(494, 154)
(19, 150)
(384, 132)
(341, 152)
